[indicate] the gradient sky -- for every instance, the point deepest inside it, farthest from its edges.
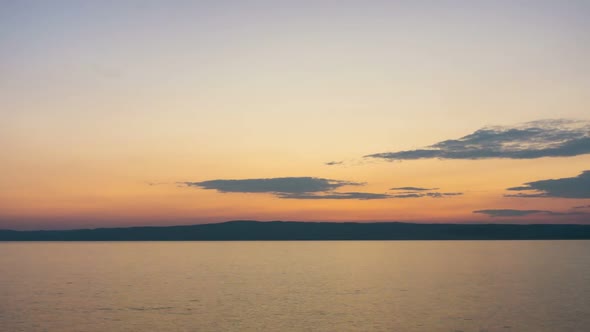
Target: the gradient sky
(119, 113)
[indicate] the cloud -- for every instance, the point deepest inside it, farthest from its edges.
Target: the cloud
(363, 196)
(288, 185)
(421, 194)
(335, 195)
(508, 212)
(417, 192)
(439, 195)
(407, 195)
(289, 188)
(574, 187)
(494, 213)
(413, 188)
(333, 163)
(307, 188)
(537, 139)
(582, 207)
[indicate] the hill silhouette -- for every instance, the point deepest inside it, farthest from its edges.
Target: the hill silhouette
(291, 230)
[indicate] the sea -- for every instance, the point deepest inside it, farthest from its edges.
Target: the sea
(295, 286)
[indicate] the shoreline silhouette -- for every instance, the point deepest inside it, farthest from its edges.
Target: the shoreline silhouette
(243, 230)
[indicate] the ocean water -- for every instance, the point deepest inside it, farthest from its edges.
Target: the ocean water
(296, 286)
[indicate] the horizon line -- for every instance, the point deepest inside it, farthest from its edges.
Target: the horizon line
(295, 221)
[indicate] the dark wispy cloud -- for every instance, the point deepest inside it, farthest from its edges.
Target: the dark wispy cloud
(537, 139)
(522, 213)
(286, 185)
(333, 163)
(439, 195)
(423, 194)
(413, 188)
(508, 212)
(308, 188)
(335, 195)
(574, 187)
(581, 207)
(417, 192)
(289, 188)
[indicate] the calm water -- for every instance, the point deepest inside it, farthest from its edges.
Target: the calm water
(296, 286)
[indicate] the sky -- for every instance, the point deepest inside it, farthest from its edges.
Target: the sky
(127, 113)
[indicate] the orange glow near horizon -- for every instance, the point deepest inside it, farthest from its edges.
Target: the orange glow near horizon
(107, 108)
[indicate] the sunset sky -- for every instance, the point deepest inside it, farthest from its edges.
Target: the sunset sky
(125, 113)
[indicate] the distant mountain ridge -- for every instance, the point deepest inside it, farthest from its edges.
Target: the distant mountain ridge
(245, 230)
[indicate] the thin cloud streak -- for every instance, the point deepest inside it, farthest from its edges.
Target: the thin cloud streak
(499, 213)
(336, 195)
(417, 192)
(413, 188)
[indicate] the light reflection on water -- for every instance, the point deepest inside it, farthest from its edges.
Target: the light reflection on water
(295, 286)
